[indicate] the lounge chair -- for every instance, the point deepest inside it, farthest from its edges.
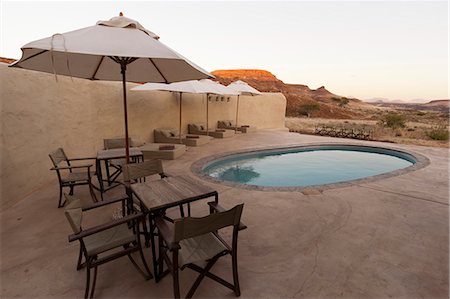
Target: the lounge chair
(170, 135)
(162, 151)
(200, 129)
(230, 125)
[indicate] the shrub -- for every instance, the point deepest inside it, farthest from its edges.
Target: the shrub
(307, 109)
(393, 120)
(341, 102)
(438, 133)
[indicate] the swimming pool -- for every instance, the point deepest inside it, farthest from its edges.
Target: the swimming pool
(306, 165)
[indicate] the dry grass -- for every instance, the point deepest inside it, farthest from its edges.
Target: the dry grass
(415, 131)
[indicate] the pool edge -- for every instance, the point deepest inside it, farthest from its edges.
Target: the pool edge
(197, 167)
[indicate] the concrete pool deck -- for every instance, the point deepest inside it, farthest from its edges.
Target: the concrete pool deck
(387, 238)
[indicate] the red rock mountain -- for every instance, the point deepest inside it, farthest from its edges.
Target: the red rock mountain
(300, 98)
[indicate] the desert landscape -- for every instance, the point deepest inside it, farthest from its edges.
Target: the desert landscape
(308, 109)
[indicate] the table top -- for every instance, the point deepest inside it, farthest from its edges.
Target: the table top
(170, 191)
(117, 153)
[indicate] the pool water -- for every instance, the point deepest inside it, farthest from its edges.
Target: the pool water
(306, 167)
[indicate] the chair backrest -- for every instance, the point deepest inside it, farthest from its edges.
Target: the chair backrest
(74, 213)
(112, 143)
(190, 227)
(136, 171)
(58, 156)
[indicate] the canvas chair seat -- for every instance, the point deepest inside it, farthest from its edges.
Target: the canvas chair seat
(199, 249)
(76, 176)
(109, 239)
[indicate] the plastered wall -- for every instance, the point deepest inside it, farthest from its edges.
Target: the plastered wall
(40, 114)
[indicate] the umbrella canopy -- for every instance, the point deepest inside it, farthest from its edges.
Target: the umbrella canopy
(243, 88)
(204, 86)
(120, 49)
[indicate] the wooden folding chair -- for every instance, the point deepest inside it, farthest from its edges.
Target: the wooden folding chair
(106, 242)
(190, 240)
(72, 175)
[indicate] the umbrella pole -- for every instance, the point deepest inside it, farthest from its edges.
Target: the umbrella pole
(237, 111)
(179, 132)
(124, 61)
(123, 66)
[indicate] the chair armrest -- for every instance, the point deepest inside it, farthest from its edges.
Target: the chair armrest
(105, 226)
(218, 208)
(84, 158)
(105, 202)
(71, 167)
(166, 233)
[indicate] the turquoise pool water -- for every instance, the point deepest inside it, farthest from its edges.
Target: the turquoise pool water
(306, 167)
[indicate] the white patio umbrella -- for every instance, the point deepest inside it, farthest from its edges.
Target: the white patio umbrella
(120, 49)
(204, 86)
(243, 89)
(218, 89)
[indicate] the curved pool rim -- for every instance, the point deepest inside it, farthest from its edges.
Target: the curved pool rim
(419, 161)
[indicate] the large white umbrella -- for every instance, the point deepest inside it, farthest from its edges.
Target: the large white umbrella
(242, 88)
(120, 49)
(204, 86)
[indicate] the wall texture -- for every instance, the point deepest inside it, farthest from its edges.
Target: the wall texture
(40, 114)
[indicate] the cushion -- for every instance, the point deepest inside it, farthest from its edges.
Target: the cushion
(192, 136)
(166, 147)
(166, 132)
(173, 133)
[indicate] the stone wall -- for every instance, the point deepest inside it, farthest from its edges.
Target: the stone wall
(40, 114)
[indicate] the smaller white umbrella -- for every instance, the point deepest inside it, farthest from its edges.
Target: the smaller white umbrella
(205, 86)
(218, 89)
(242, 88)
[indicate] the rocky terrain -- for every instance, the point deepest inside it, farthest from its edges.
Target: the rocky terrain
(416, 123)
(301, 100)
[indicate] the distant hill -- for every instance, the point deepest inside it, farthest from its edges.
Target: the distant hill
(436, 105)
(320, 101)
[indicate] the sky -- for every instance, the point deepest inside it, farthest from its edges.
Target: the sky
(368, 50)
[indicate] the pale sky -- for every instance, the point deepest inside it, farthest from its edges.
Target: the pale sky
(392, 50)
